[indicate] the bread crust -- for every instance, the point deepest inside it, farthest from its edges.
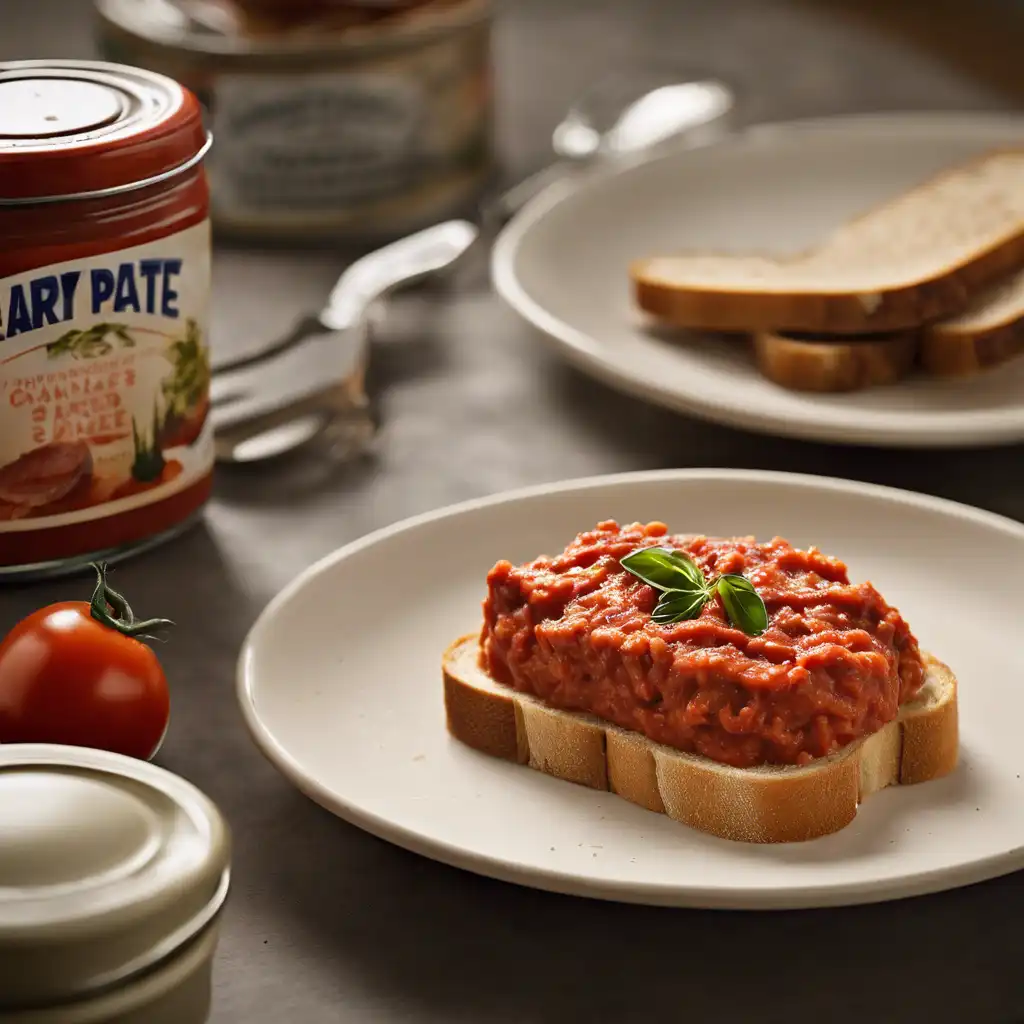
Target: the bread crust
(834, 365)
(826, 313)
(755, 805)
(896, 309)
(947, 350)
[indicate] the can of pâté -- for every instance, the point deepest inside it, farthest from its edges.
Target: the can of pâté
(105, 443)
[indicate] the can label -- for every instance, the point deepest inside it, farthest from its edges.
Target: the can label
(314, 141)
(104, 382)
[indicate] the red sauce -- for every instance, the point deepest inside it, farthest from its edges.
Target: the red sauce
(576, 631)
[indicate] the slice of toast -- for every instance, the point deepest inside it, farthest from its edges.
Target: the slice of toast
(915, 259)
(754, 805)
(989, 333)
(803, 363)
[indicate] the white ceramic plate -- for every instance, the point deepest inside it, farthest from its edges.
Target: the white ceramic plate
(340, 683)
(563, 266)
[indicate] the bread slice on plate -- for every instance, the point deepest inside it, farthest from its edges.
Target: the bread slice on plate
(755, 805)
(914, 259)
(989, 333)
(803, 363)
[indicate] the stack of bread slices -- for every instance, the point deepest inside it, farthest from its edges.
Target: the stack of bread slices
(932, 280)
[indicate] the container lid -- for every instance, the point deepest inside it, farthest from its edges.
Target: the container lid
(71, 127)
(108, 866)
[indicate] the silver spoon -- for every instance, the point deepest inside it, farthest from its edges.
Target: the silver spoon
(622, 115)
(312, 380)
(309, 384)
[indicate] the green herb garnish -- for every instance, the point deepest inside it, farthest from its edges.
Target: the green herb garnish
(685, 591)
(742, 603)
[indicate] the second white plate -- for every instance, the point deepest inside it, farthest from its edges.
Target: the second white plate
(340, 683)
(563, 266)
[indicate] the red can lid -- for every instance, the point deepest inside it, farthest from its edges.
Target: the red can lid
(72, 127)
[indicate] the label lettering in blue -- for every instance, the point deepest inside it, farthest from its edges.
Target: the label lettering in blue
(143, 286)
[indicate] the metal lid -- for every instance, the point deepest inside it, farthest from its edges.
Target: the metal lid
(108, 866)
(73, 127)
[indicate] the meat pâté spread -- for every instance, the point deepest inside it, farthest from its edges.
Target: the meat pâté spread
(575, 630)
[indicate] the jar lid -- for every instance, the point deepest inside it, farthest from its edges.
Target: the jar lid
(72, 127)
(108, 866)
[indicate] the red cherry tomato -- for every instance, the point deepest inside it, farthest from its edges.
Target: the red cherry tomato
(67, 677)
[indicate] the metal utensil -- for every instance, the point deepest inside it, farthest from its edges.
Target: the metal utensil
(314, 384)
(312, 379)
(620, 115)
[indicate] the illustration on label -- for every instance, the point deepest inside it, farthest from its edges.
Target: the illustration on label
(104, 383)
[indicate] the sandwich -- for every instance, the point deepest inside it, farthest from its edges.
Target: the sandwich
(744, 688)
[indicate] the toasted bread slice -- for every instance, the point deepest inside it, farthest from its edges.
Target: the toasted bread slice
(754, 805)
(801, 363)
(989, 333)
(917, 258)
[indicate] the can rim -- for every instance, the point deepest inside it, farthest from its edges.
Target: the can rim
(357, 41)
(159, 954)
(114, 190)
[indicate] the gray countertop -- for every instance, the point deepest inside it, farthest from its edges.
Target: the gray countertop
(328, 924)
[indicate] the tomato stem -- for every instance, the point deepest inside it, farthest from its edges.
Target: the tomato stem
(105, 599)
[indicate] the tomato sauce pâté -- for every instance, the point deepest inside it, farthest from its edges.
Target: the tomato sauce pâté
(576, 631)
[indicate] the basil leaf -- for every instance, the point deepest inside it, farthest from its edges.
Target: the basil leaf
(678, 605)
(743, 604)
(664, 569)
